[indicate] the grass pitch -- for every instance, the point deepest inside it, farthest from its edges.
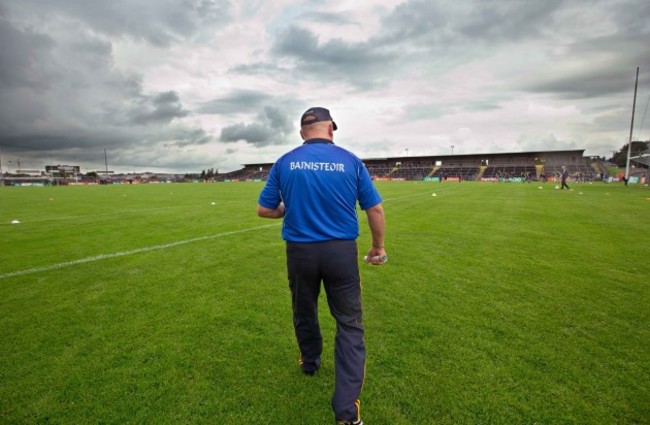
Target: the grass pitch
(168, 304)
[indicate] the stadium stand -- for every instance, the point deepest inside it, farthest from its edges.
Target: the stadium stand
(536, 165)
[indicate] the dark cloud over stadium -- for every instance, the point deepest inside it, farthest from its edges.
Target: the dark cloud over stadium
(213, 84)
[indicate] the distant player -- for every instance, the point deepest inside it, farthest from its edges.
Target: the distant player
(563, 176)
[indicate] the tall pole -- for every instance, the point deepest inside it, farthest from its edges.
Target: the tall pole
(106, 162)
(629, 146)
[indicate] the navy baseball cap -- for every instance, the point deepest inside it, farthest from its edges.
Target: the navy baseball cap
(316, 114)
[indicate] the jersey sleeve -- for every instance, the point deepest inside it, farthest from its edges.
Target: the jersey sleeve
(368, 195)
(270, 197)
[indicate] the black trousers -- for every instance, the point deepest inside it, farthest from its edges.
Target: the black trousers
(335, 264)
(564, 184)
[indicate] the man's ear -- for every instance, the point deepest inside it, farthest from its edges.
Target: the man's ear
(302, 135)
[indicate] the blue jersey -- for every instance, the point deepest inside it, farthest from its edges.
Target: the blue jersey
(320, 184)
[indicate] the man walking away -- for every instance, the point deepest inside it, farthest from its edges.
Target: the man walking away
(563, 176)
(315, 188)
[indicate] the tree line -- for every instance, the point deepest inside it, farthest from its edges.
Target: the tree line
(620, 158)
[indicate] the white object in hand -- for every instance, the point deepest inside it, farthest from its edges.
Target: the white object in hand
(377, 259)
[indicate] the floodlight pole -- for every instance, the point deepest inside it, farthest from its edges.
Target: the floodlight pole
(629, 145)
(106, 162)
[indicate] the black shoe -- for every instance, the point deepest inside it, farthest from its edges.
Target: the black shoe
(359, 422)
(309, 368)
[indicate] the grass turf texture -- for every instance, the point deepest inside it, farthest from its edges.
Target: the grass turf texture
(500, 303)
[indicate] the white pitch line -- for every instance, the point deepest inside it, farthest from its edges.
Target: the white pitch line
(130, 252)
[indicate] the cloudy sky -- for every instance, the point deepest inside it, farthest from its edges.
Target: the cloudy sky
(186, 85)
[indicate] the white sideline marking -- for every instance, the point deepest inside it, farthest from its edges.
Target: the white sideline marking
(130, 252)
(157, 247)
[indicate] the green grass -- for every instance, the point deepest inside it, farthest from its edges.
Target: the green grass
(500, 304)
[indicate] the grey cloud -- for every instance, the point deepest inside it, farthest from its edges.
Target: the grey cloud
(85, 144)
(468, 30)
(631, 17)
(161, 108)
(257, 68)
(413, 19)
(62, 91)
(330, 18)
(458, 30)
(614, 120)
(77, 145)
(486, 105)
(184, 137)
(273, 121)
(590, 83)
(125, 147)
(536, 142)
(37, 142)
(62, 97)
(299, 43)
(148, 20)
(271, 127)
(507, 21)
(425, 112)
(607, 63)
(235, 102)
(362, 64)
(439, 24)
(254, 134)
(19, 54)
(278, 119)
